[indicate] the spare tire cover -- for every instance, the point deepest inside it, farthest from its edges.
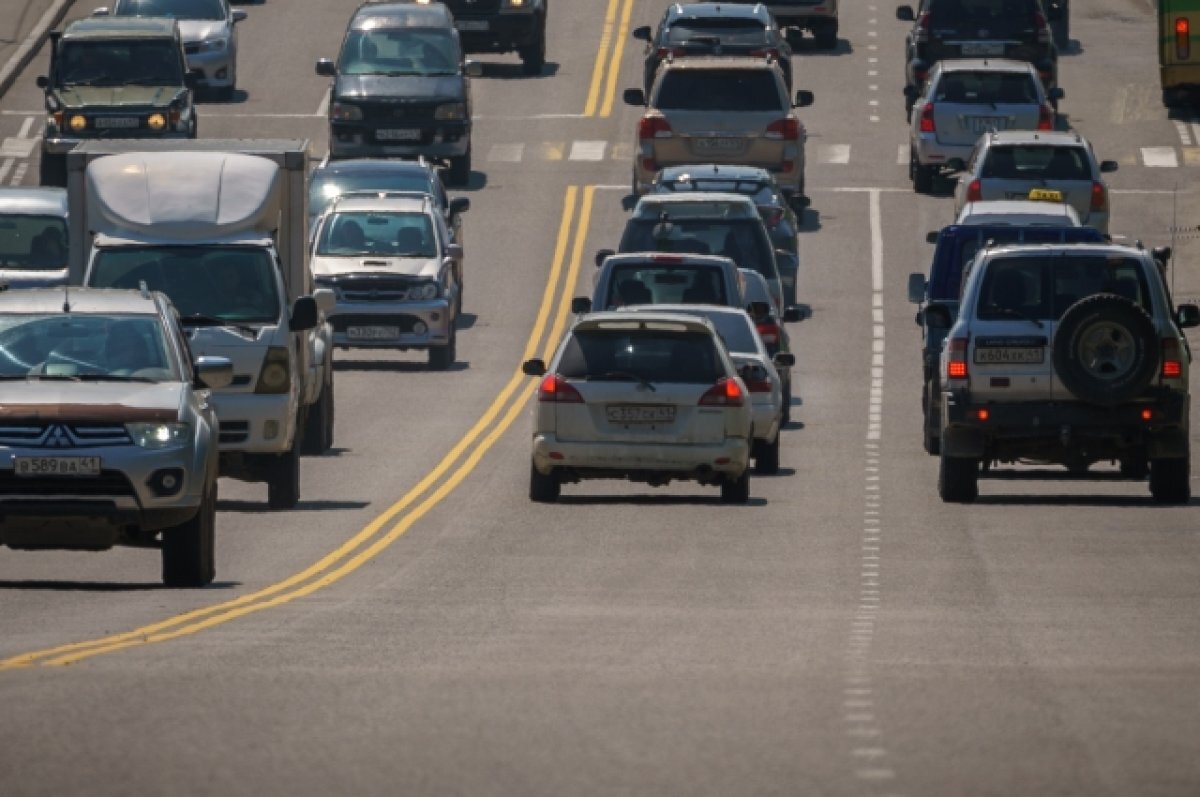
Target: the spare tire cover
(1106, 349)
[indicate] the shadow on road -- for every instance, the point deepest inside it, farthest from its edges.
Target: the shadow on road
(517, 71)
(260, 507)
(395, 366)
(651, 500)
(100, 586)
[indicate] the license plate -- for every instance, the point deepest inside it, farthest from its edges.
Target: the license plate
(1009, 356)
(398, 135)
(640, 413)
(983, 48)
(1045, 195)
(471, 24)
(718, 144)
(116, 121)
(981, 124)
(56, 466)
(372, 333)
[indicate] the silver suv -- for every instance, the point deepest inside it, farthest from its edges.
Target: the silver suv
(107, 435)
(1067, 354)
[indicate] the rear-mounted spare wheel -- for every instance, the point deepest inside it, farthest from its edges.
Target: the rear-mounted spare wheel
(1106, 350)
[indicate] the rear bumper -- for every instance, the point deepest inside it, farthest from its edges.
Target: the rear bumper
(619, 460)
(504, 32)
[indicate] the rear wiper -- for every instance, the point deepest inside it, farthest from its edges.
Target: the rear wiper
(627, 375)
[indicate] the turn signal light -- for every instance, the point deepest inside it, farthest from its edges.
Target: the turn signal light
(975, 191)
(725, 393)
(1147, 414)
(558, 390)
(956, 365)
(654, 127)
(1045, 118)
(1099, 196)
(982, 414)
(787, 129)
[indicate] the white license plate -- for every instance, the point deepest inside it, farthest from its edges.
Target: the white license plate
(56, 466)
(981, 124)
(983, 48)
(471, 24)
(398, 135)
(718, 144)
(117, 121)
(372, 333)
(1010, 356)
(640, 413)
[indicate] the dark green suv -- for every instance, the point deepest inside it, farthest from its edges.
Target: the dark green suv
(114, 77)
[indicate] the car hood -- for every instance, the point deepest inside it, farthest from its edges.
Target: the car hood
(196, 30)
(409, 87)
(115, 402)
(401, 266)
(117, 96)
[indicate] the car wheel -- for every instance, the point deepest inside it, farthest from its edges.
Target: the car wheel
(283, 481)
(53, 169)
(1170, 480)
(766, 463)
(459, 172)
(442, 357)
(544, 488)
(922, 176)
(932, 429)
(827, 36)
(958, 479)
(189, 549)
(533, 57)
(736, 490)
(1172, 98)
(318, 424)
(787, 399)
(1105, 349)
(226, 93)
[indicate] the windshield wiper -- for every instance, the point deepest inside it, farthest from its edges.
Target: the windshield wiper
(114, 378)
(55, 377)
(626, 375)
(203, 320)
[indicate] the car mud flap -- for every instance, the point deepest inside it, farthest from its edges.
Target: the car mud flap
(964, 442)
(1171, 444)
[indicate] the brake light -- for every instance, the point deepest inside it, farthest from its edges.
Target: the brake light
(956, 365)
(920, 74)
(1099, 196)
(558, 390)
(725, 393)
(1172, 365)
(1045, 118)
(659, 258)
(769, 332)
(787, 129)
(921, 33)
(975, 191)
(654, 127)
(1043, 29)
(1183, 38)
(927, 123)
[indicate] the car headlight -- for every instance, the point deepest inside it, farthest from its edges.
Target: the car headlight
(77, 123)
(514, 3)
(213, 45)
(159, 435)
(428, 290)
(156, 121)
(451, 111)
(275, 376)
(345, 112)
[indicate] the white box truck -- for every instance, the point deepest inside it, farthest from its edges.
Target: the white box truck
(220, 226)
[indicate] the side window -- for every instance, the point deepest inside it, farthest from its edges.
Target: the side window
(973, 160)
(177, 334)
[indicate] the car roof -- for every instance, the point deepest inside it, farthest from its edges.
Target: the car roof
(668, 258)
(81, 300)
(373, 165)
(381, 202)
(985, 65)
(401, 15)
(1023, 211)
(112, 27)
(734, 10)
(643, 319)
(43, 201)
(1080, 248)
(650, 205)
(1050, 138)
(726, 62)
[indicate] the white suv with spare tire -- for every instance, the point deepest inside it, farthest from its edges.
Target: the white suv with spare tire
(1070, 355)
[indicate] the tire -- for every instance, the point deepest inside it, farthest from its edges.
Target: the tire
(459, 173)
(1105, 349)
(543, 488)
(736, 491)
(958, 479)
(226, 93)
(283, 481)
(189, 549)
(787, 399)
(1062, 32)
(922, 176)
(932, 428)
(442, 357)
(1172, 98)
(52, 170)
(318, 424)
(827, 36)
(1170, 480)
(533, 58)
(1135, 466)
(766, 462)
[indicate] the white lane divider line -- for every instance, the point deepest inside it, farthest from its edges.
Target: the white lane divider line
(506, 153)
(17, 147)
(1185, 137)
(1195, 133)
(5, 168)
(1159, 157)
(19, 173)
(834, 153)
(902, 155)
(25, 126)
(323, 108)
(587, 150)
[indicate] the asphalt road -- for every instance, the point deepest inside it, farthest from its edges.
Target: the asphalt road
(418, 627)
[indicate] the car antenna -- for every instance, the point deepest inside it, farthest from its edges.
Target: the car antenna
(144, 289)
(66, 298)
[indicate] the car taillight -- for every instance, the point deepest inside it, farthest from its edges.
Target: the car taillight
(956, 364)
(1183, 38)
(1045, 118)
(769, 332)
(725, 393)
(1172, 365)
(975, 191)
(654, 127)
(787, 129)
(1039, 22)
(1099, 196)
(556, 389)
(921, 33)
(927, 123)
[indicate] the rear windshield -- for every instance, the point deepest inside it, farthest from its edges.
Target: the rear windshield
(955, 250)
(742, 240)
(1037, 162)
(719, 90)
(986, 88)
(652, 355)
(716, 30)
(761, 193)
(33, 243)
(995, 12)
(664, 284)
(1044, 287)
(113, 62)
(735, 331)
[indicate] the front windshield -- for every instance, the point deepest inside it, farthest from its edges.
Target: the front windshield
(33, 243)
(363, 233)
(399, 51)
(324, 189)
(112, 62)
(84, 346)
(175, 9)
(234, 285)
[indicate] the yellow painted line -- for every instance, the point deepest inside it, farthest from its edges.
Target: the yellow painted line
(614, 66)
(276, 594)
(585, 220)
(593, 96)
(553, 150)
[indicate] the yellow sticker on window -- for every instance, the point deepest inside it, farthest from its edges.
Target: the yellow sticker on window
(1045, 195)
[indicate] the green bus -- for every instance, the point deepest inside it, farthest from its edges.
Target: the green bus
(1178, 50)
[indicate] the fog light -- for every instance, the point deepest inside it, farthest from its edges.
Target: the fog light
(166, 482)
(77, 123)
(271, 430)
(156, 121)
(419, 328)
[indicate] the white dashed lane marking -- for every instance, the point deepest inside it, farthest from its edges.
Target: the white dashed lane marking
(1159, 157)
(506, 153)
(834, 153)
(587, 150)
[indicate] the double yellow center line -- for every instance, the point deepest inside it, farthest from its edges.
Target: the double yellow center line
(608, 59)
(551, 320)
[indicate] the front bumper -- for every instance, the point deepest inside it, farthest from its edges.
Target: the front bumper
(261, 423)
(408, 318)
(360, 140)
(216, 68)
(616, 460)
(501, 33)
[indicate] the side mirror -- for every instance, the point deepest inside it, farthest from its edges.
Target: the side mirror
(305, 314)
(938, 316)
(905, 14)
(454, 251)
(602, 255)
(931, 237)
(213, 372)
(460, 204)
(786, 260)
(102, 11)
(1162, 254)
(956, 164)
(473, 69)
(912, 92)
(326, 67)
(43, 82)
(793, 314)
(634, 97)
(239, 15)
(799, 202)
(325, 298)
(1056, 93)
(916, 288)
(784, 359)
(642, 33)
(803, 99)
(1108, 166)
(534, 367)
(580, 305)
(1187, 315)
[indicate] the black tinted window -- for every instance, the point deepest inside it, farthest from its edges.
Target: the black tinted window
(36, 243)
(981, 11)
(1037, 162)
(653, 355)
(742, 240)
(143, 62)
(716, 90)
(664, 284)
(1044, 287)
(714, 30)
(986, 88)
